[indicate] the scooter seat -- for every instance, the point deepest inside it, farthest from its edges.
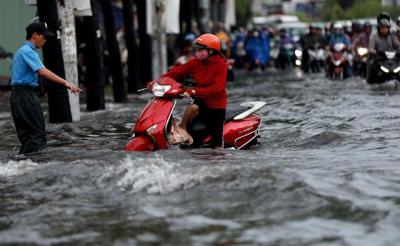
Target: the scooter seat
(232, 113)
(198, 123)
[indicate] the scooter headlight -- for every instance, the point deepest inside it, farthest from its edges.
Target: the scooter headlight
(396, 70)
(298, 53)
(159, 90)
(384, 69)
(362, 51)
(390, 54)
(298, 63)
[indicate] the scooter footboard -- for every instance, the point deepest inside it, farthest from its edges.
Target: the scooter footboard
(140, 143)
(239, 134)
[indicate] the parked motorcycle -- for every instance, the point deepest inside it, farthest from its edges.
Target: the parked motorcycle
(385, 67)
(156, 128)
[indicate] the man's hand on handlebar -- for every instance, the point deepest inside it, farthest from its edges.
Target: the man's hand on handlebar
(185, 94)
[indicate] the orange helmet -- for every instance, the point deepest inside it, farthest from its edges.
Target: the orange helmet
(208, 40)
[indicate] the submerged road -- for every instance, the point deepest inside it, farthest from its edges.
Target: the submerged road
(326, 172)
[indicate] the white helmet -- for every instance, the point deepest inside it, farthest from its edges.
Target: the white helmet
(338, 25)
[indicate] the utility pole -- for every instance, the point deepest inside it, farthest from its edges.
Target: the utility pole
(131, 45)
(58, 99)
(159, 40)
(68, 42)
(119, 90)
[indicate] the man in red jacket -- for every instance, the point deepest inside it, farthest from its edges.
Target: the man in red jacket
(208, 68)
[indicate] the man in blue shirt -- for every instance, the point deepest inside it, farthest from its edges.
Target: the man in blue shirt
(25, 105)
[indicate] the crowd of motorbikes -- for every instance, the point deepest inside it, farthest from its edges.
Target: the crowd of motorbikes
(338, 60)
(336, 53)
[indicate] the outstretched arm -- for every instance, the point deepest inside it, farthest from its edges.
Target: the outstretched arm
(47, 74)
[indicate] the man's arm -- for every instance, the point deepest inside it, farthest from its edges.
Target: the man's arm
(396, 43)
(47, 74)
(372, 45)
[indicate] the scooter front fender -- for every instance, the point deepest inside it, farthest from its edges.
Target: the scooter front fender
(140, 143)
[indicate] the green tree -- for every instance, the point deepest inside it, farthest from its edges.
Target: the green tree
(243, 13)
(364, 8)
(332, 11)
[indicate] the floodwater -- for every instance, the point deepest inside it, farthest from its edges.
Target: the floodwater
(327, 172)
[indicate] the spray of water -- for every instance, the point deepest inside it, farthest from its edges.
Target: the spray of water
(155, 175)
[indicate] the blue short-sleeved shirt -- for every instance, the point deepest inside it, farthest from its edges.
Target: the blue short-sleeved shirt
(25, 66)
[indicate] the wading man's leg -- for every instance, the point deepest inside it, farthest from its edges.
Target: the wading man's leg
(190, 112)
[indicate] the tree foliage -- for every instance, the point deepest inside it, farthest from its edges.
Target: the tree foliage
(242, 12)
(333, 9)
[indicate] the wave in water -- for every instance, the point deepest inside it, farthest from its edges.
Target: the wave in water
(154, 175)
(16, 168)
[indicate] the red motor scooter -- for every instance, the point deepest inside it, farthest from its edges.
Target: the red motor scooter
(157, 129)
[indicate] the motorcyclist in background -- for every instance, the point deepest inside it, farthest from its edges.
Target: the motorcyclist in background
(338, 36)
(362, 40)
(360, 49)
(380, 42)
(286, 48)
(384, 40)
(257, 48)
(285, 38)
(312, 40)
(356, 29)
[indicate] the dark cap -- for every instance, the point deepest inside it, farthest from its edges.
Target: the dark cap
(38, 27)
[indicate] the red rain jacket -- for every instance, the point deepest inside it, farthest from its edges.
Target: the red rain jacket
(210, 77)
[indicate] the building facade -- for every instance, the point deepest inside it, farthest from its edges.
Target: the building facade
(15, 15)
(268, 7)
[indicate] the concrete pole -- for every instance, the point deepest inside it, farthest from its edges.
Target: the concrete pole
(68, 44)
(159, 40)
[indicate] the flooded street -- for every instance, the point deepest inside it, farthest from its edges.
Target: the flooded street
(326, 172)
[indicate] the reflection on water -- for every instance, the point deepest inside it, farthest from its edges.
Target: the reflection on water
(326, 173)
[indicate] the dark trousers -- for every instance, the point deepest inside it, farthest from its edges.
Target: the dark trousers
(214, 119)
(28, 118)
